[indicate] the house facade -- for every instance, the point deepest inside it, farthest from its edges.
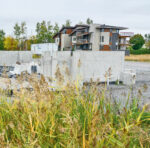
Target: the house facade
(95, 37)
(124, 38)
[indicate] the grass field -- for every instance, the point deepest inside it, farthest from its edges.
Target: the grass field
(140, 58)
(71, 118)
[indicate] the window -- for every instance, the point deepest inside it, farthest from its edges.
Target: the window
(110, 39)
(102, 30)
(90, 47)
(33, 69)
(64, 31)
(57, 40)
(101, 47)
(113, 30)
(74, 39)
(110, 46)
(86, 30)
(102, 39)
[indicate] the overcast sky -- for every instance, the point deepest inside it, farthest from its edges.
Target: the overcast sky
(134, 14)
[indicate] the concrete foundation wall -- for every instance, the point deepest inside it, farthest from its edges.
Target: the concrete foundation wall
(79, 65)
(9, 58)
(99, 65)
(85, 65)
(51, 62)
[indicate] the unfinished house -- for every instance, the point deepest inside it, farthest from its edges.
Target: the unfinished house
(93, 37)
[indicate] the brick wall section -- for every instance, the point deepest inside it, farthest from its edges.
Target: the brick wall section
(106, 30)
(106, 48)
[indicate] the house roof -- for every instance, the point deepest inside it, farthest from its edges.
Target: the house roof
(111, 27)
(82, 26)
(65, 27)
(79, 27)
(56, 35)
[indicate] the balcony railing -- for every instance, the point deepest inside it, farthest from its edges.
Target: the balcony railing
(82, 33)
(83, 41)
(123, 43)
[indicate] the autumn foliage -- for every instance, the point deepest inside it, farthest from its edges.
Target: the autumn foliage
(10, 43)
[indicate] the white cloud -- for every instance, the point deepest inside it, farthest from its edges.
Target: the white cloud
(130, 13)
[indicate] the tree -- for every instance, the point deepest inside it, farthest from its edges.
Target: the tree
(20, 34)
(10, 43)
(89, 21)
(68, 23)
(17, 31)
(147, 37)
(137, 41)
(147, 41)
(147, 44)
(23, 28)
(56, 28)
(2, 37)
(30, 41)
(80, 23)
(44, 32)
(23, 38)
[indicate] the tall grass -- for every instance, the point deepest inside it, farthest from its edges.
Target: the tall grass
(71, 118)
(140, 58)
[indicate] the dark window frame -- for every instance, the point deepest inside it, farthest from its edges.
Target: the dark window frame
(102, 30)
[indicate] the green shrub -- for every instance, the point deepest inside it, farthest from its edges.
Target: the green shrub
(137, 41)
(141, 51)
(36, 56)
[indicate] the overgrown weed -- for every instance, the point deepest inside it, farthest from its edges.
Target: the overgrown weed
(70, 118)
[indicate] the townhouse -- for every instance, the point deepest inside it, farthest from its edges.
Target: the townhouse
(95, 37)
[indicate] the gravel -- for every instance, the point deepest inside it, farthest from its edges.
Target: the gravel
(140, 90)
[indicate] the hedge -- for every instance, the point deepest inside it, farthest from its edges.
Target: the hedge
(140, 51)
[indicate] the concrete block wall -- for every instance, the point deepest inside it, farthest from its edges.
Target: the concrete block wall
(85, 65)
(99, 64)
(79, 65)
(9, 58)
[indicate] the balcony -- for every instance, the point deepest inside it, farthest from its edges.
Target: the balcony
(124, 43)
(82, 41)
(126, 34)
(82, 34)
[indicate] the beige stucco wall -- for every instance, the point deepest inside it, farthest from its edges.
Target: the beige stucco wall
(95, 37)
(106, 38)
(65, 41)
